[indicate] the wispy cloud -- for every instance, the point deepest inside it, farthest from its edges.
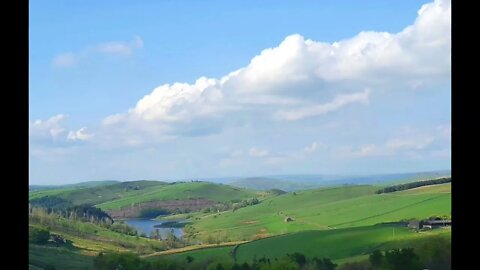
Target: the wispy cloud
(79, 135)
(407, 141)
(337, 103)
(65, 60)
(313, 147)
(255, 152)
(123, 48)
(51, 128)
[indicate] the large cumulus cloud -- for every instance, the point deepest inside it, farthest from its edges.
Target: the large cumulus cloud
(298, 79)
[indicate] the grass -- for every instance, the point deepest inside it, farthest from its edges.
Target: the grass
(62, 258)
(327, 208)
(341, 223)
(99, 194)
(92, 238)
(341, 245)
(194, 190)
(116, 196)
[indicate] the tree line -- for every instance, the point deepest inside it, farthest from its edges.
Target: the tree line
(67, 209)
(432, 254)
(295, 261)
(231, 205)
(414, 185)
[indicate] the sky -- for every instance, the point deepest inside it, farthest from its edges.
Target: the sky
(178, 90)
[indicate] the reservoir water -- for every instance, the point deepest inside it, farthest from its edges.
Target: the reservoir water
(146, 226)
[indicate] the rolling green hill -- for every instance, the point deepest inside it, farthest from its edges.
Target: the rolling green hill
(263, 183)
(179, 191)
(125, 194)
(327, 208)
(77, 185)
(98, 194)
(339, 244)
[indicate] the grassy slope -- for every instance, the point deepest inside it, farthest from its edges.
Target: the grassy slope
(117, 195)
(262, 183)
(340, 245)
(61, 258)
(92, 239)
(99, 194)
(339, 207)
(194, 190)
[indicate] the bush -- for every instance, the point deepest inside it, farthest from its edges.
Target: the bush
(38, 236)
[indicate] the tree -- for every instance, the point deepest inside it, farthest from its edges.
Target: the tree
(38, 236)
(323, 264)
(402, 259)
(299, 258)
(189, 259)
(376, 259)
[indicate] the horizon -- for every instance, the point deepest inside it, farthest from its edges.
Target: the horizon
(230, 178)
(180, 90)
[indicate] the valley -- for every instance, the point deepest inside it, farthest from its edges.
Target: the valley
(230, 225)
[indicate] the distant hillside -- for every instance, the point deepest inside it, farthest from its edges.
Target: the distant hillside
(327, 208)
(261, 183)
(182, 191)
(303, 182)
(151, 198)
(97, 194)
(333, 180)
(77, 185)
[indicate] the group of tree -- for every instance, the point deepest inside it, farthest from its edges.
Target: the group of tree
(122, 227)
(414, 185)
(66, 209)
(38, 236)
(153, 213)
(42, 236)
(231, 205)
(395, 259)
(245, 203)
(434, 254)
(295, 261)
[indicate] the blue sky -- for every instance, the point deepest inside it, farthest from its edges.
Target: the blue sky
(285, 87)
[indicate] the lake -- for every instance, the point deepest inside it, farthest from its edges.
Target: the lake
(147, 226)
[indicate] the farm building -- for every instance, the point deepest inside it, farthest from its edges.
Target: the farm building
(288, 219)
(414, 224)
(426, 227)
(438, 223)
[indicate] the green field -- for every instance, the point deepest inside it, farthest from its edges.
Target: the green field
(342, 223)
(338, 244)
(98, 194)
(119, 195)
(328, 208)
(93, 238)
(39, 257)
(194, 190)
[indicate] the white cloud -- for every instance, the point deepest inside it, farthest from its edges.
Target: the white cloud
(53, 132)
(254, 152)
(51, 128)
(313, 147)
(65, 60)
(124, 48)
(445, 131)
(366, 150)
(294, 80)
(79, 135)
(407, 141)
(338, 102)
